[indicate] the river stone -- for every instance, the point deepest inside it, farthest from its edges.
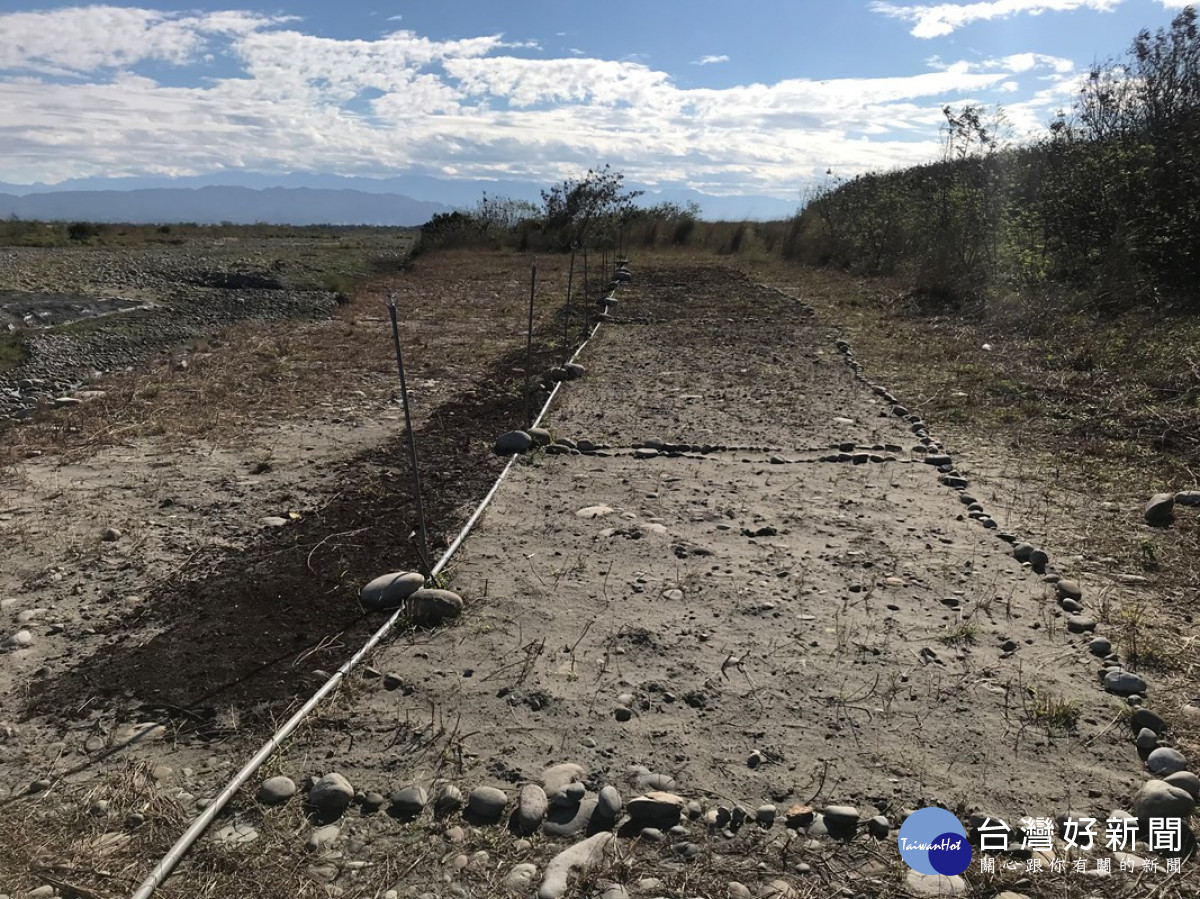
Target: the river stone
(1124, 683)
(777, 889)
(569, 820)
(520, 878)
(657, 808)
(512, 443)
(389, 591)
(138, 732)
(540, 436)
(654, 781)
(276, 790)
(531, 809)
(570, 795)
(1145, 718)
(934, 885)
(487, 804)
(1160, 511)
(574, 371)
(1069, 590)
(322, 837)
(430, 607)
(594, 511)
(879, 827)
(1146, 739)
(581, 857)
(556, 777)
(609, 805)
(1187, 498)
(1079, 624)
(1100, 646)
(841, 815)
(22, 639)
(1159, 799)
(410, 801)
(1166, 760)
(447, 800)
(1038, 560)
(1187, 780)
(331, 795)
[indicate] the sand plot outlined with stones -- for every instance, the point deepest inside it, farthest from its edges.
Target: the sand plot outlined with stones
(755, 591)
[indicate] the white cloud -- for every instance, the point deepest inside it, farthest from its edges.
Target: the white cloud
(83, 39)
(1017, 63)
(938, 20)
(710, 60)
(403, 102)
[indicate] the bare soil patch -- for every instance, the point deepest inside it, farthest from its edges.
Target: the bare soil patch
(739, 619)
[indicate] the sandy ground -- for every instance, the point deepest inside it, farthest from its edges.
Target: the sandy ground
(745, 618)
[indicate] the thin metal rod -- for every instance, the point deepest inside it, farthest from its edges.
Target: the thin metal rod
(423, 544)
(567, 316)
(587, 289)
(529, 349)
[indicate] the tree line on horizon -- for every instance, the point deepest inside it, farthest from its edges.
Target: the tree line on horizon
(1106, 203)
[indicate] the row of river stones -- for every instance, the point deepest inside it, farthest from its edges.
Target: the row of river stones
(1175, 790)
(561, 806)
(517, 442)
(406, 590)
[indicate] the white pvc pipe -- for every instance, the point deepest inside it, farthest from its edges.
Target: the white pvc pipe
(167, 863)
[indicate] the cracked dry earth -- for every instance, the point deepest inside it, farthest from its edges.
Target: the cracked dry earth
(741, 621)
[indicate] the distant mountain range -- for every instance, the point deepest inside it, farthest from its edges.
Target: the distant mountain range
(212, 205)
(302, 199)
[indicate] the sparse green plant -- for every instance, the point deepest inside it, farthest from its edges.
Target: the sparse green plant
(959, 634)
(1052, 712)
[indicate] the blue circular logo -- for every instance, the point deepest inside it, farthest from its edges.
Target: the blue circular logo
(932, 841)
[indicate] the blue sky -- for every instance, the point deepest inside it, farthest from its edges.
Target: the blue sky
(727, 98)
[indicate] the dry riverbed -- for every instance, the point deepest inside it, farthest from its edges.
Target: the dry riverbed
(763, 603)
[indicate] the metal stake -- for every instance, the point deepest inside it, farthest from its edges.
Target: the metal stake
(529, 350)
(423, 545)
(587, 290)
(567, 317)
